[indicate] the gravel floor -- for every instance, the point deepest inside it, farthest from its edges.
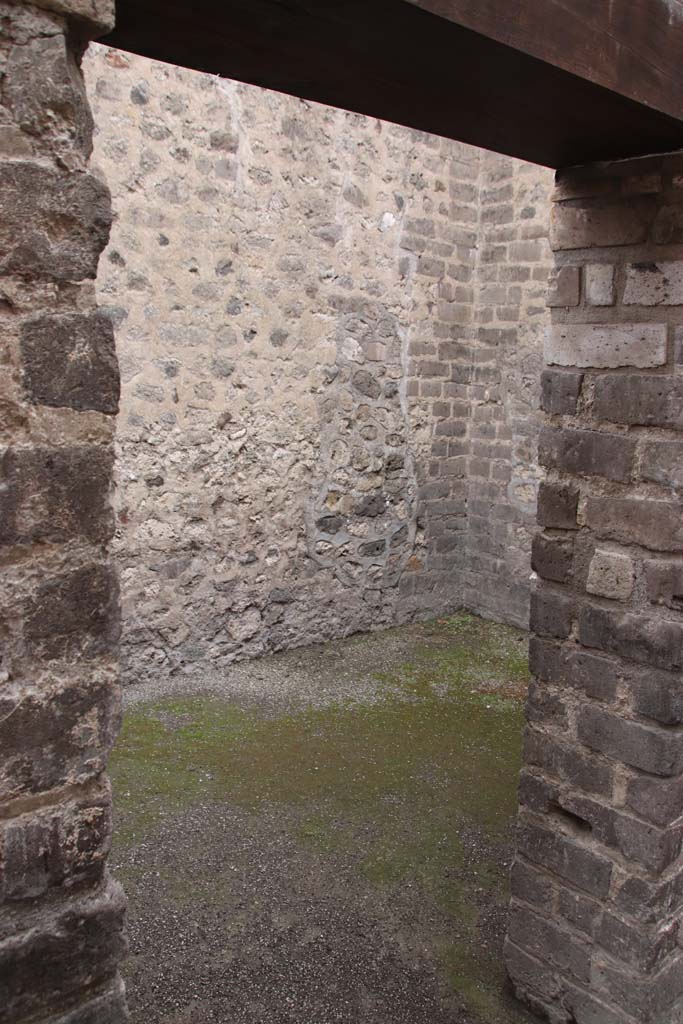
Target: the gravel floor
(323, 836)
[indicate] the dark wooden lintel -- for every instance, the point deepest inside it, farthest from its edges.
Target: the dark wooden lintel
(393, 60)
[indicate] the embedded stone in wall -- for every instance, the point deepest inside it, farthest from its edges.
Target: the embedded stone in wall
(611, 575)
(599, 345)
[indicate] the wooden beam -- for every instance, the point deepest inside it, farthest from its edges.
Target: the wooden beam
(634, 47)
(393, 60)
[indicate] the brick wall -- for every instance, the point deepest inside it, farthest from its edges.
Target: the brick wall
(594, 932)
(513, 267)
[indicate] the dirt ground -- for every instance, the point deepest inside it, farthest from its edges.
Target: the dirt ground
(324, 836)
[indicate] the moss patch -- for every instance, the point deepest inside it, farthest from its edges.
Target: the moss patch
(419, 785)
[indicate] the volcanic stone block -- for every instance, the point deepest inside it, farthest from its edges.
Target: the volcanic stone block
(567, 761)
(57, 734)
(665, 582)
(662, 463)
(56, 494)
(567, 857)
(589, 223)
(654, 284)
(91, 18)
(107, 1008)
(54, 846)
(587, 453)
(595, 676)
(652, 524)
(70, 950)
(551, 613)
(46, 95)
(70, 360)
(611, 574)
(656, 694)
(658, 800)
(635, 945)
(639, 399)
(650, 641)
(560, 392)
(557, 506)
(599, 279)
(551, 557)
(75, 615)
(54, 224)
(533, 982)
(605, 345)
(544, 938)
(564, 287)
(651, 749)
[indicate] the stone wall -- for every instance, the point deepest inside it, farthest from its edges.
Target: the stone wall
(312, 367)
(595, 925)
(513, 269)
(61, 933)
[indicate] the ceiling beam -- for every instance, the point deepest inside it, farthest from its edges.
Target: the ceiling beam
(393, 60)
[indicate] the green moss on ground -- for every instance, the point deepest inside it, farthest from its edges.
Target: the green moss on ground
(404, 783)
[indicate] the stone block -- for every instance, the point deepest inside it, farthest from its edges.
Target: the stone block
(557, 506)
(564, 287)
(588, 1008)
(600, 290)
(603, 346)
(546, 940)
(662, 463)
(645, 998)
(45, 93)
(74, 615)
(542, 706)
(587, 453)
(56, 494)
(656, 694)
(72, 949)
(658, 800)
(581, 912)
(588, 223)
(664, 580)
(595, 676)
(639, 399)
(107, 1008)
(646, 640)
(567, 762)
(560, 392)
(533, 981)
(70, 361)
(551, 557)
(37, 201)
(63, 845)
(652, 848)
(634, 945)
(652, 524)
(611, 575)
(551, 613)
(653, 750)
(654, 284)
(57, 734)
(567, 857)
(530, 885)
(90, 18)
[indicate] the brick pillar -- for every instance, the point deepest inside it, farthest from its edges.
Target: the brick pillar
(61, 932)
(597, 882)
